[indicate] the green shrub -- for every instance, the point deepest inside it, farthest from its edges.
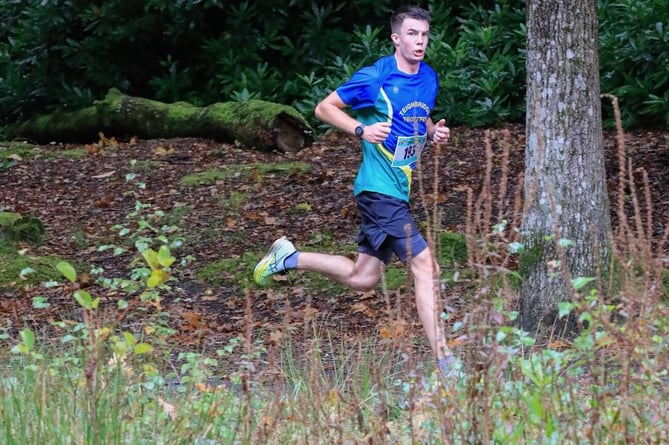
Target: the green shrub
(481, 71)
(64, 54)
(634, 59)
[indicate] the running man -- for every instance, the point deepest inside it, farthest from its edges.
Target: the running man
(387, 106)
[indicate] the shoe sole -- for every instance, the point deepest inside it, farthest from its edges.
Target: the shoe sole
(264, 262)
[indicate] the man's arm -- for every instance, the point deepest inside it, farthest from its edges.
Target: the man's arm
(331, 111)
(438, 132)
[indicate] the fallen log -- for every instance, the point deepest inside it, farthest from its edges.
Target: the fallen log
(255, 123)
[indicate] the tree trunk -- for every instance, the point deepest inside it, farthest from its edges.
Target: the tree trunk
(565, 182)
(258, 124)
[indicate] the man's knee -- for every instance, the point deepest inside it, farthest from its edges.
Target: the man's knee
(423, 265)
(364, 283)
(366, 273)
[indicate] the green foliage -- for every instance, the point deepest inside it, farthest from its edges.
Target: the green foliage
(105, 373)
(27, 228)
(64, 54)
(99, 350)
(607, 381)
(451, 248)
(634, 59)
(482, 68)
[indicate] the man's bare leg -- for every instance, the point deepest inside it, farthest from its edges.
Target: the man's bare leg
(424, 271)
(363, 274)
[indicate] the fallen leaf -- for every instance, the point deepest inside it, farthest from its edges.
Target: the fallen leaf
(193, 319)
(275, 337)
(457, 341)
(362, 307)
(208, 388)
(396, 329)
(209, 297)
(92, 149)
(168, 408)
(161, 151)
(559, 344)
(104, 175)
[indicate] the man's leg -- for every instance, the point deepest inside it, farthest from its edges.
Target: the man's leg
(363, 274)
(425, 272)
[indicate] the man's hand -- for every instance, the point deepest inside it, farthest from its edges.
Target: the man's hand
(440, 132)
(376, 133)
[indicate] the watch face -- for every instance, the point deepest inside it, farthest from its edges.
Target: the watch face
(359, 131)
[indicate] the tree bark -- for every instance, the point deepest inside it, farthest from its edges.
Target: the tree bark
(565, 182)
(256, 124)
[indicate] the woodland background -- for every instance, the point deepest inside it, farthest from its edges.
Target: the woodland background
(92, 354)
(64, 54)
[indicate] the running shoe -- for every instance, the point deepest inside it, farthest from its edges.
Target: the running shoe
(273, 261)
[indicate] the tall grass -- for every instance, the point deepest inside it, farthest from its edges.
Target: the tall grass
(606, 385)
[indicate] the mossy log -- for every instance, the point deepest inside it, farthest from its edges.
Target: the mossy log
(15, 227)
(255, 124)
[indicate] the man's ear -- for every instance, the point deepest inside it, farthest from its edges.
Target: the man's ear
(395, 38)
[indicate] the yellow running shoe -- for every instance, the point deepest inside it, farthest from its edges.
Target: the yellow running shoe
(273, 261)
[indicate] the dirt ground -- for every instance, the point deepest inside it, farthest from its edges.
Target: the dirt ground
(237, 218)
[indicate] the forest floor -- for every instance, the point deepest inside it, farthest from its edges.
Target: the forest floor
(228, 220)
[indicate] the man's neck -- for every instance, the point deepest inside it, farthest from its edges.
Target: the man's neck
(404, 66)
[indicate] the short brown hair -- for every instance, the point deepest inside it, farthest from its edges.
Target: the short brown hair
(407, 12)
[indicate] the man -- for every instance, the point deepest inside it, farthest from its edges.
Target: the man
(391, 101)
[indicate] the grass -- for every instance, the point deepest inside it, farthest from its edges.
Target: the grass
(366, 391)
(244, 170)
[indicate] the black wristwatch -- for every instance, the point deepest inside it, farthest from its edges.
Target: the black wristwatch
(359, 130)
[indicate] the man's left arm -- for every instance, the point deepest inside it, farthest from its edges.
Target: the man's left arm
(438, 132)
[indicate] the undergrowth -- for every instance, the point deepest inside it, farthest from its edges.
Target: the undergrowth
(108, 374)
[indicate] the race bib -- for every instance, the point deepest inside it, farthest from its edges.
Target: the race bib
(407, 150)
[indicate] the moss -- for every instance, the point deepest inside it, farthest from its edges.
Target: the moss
(529, 258)
(72, 153)
(177, 214)
(229, 270)
(15, 228)
(321, 285)
(395, 277)
(26, 152)
(17, 270)
(245, 170)
(8, 218)
(451, 248)
(11, 153)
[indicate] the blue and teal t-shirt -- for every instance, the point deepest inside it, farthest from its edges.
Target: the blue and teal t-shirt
(383, 93)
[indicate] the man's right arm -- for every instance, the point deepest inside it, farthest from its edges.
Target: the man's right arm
(331, 111)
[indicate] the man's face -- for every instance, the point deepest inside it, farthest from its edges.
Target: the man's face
(412, 40)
